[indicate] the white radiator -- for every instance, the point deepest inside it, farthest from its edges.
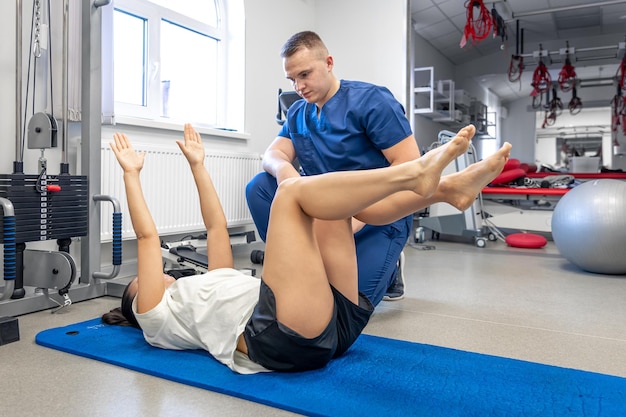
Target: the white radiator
(171, 193)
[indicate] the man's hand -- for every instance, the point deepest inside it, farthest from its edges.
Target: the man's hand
(287, 171)
(278, 159)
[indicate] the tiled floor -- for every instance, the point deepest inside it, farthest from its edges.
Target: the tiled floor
(519, 303)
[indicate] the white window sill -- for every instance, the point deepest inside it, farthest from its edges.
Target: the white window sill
(179, 127)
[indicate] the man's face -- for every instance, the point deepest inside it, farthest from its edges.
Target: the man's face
(310, 74)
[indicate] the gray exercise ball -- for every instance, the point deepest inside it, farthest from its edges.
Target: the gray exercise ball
(589, 226)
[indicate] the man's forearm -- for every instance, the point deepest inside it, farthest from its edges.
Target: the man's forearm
(277, 165)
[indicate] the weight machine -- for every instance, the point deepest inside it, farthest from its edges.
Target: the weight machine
(63, 207)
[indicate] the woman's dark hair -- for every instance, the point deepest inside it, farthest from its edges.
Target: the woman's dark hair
(123, 316)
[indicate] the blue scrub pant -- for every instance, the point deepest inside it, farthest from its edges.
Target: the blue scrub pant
(377, 247)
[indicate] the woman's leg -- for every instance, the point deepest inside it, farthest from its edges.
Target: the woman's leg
(350, 192)
(459, 189)
(337, 249)
(294, 268)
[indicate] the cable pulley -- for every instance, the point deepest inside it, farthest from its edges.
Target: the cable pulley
(42, 131)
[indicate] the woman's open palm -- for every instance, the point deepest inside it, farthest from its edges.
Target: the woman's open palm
(192, 147)
(128, 158)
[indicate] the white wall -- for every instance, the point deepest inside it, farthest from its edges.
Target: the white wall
(589, 119)
(269, 24)
(377, 56)
(519, 129)
(619, 161)
(424, 55)
(521, 126)
(7, 115)
(368, 39)
(7, 85)
(8, 134)
(361, 53)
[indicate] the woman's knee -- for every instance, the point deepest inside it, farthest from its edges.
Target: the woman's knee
(288, 187)
(287, 195)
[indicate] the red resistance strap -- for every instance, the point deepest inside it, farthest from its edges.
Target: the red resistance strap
(499, 26)
(620, 76)
(619, 101)
(555, 105)
(619, 111)
(567, 76)
(623, 114)
(549, 119)
(575, 104)
(479, 28)
(541, 79)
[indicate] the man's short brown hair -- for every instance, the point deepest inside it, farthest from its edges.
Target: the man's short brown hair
(306, 39)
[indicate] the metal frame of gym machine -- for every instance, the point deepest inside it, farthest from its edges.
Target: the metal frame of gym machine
(91, 283)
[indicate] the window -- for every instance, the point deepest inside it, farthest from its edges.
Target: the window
(129, 41)
(171, 61)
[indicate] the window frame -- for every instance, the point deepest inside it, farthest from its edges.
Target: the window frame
(230, 97)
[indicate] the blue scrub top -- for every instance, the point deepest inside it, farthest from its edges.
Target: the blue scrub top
(353, 127)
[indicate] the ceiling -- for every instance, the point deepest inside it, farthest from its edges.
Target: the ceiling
(597, 26)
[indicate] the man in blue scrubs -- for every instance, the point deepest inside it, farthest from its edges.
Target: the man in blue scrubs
(342, 125)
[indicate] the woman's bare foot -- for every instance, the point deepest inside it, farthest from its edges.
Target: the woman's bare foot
(432, 163)
(461, 189)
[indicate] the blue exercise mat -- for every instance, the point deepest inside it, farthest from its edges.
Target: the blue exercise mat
(376, 377)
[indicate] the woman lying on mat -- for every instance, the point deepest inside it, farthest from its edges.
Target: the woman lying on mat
(306, 309)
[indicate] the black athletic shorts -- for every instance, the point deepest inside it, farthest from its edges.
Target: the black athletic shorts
(277, 347)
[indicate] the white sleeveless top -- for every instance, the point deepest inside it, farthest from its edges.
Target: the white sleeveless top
(207, 311)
